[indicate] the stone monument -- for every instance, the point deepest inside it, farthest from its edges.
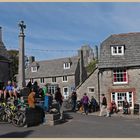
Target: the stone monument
(21, 68)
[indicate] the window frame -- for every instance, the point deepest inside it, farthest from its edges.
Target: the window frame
(42, 80)
(91, 88)
(34, 69)
(66, 65)
(115, 50)
(118, 76)
(63, 79)
(53, 79)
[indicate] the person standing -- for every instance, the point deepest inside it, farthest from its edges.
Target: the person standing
(31, 99)
(85, 101)
(59, 98)
(125, 106)
(94, 104)
(74, 99)
(103, 105)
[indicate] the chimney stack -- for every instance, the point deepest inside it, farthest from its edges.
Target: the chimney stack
(31, 59)
(0, 34)
(81, 65)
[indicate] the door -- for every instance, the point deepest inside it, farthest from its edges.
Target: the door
(118, 97)
(65, 92)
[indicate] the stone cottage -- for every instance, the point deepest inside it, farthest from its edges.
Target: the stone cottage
(119, 68)
(67, 73)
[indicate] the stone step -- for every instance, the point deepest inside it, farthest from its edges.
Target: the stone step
(52, 123)
(52, 117)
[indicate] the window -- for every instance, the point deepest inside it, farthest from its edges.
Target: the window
(118, 97)
(65, 79)
(53, 79)
(66, 65)
(41, 80)
(120, 77)
(90, 89)
(117, 50)
(52, 88)
(34, 69)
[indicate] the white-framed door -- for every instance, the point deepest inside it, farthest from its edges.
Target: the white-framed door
(118, 97)
(65, 92)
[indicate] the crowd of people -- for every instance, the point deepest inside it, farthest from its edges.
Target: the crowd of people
(85, 105)
(107, 110)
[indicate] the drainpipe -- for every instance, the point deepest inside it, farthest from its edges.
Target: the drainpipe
(99, 88)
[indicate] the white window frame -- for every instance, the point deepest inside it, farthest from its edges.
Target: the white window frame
(115, 50)
(91, 88)
(67, 94)
(65, 79)
(66, 65)
(42, 80)
(119, 97)
(121, 82)
(33, 69)
(53, 79)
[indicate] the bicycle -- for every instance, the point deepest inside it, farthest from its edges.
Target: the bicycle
(11, 114)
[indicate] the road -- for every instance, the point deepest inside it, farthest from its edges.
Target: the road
(79, 126)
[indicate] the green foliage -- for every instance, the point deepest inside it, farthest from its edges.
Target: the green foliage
(14, 62)
(91, 66)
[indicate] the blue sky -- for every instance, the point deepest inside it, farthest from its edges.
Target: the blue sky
(59, 29)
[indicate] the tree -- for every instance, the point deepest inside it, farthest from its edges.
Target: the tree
(91, 66)
(14, 56)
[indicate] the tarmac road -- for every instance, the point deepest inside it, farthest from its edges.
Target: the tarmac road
(80, 126)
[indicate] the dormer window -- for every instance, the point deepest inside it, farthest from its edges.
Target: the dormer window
(117, 50)
(66, 65)
(33, 69)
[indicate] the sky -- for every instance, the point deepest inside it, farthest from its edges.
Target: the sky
(58, 29)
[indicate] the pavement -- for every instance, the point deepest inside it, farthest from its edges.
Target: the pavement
(119, 114)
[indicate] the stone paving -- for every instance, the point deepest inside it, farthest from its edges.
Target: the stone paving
(119, 114)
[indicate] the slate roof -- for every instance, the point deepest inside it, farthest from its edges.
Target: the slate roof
(131, 57)
(52, 68)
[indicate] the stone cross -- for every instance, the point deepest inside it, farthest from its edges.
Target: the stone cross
(21, 68)
(22, 27)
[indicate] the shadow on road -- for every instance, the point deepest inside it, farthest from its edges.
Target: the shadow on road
(17, 134)
(66, 117)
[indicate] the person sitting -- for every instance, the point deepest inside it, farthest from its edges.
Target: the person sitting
(9, 90)
(113, 107)
(16, 90)
(125, 107)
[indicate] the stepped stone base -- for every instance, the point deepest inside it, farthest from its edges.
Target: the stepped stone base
(52, 119)
(52, 123)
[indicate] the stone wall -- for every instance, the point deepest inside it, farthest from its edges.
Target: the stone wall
(107, 87)
(91, 81)
(69, 84)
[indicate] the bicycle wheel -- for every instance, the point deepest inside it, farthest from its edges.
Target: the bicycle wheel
(19, 119)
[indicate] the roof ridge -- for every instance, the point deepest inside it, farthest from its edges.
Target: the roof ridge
(129, 33)
(58, 59)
